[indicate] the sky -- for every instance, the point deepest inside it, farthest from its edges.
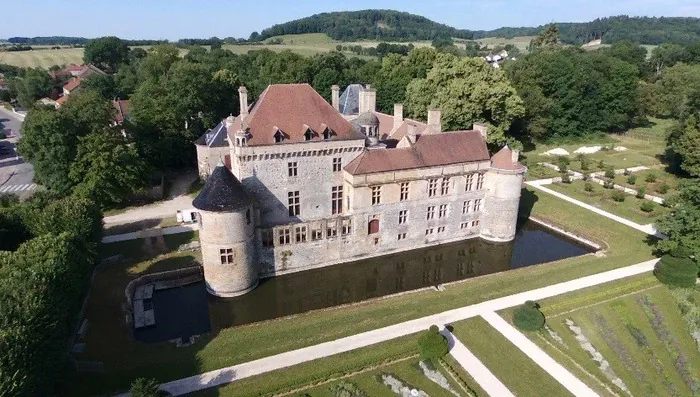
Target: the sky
(175, 19)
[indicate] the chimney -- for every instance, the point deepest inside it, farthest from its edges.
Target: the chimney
(362, 101)
(371, 97)
(229, 121)
(243, 98)
(434, 116)
(411, 133)
(398, 115)
(482, 128)
(335, 97)
(514, 155)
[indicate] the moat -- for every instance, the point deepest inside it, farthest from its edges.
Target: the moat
(184, 308)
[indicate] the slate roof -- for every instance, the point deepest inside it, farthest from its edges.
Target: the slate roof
(350, 99)
(291, 108)
(222, 192)
(215, 137)
(430, 150)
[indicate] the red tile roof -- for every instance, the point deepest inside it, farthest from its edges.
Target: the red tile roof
(73, 84)
(430, 150)
(289, 107)
(504, 160)
(122, 107)
(62, 100)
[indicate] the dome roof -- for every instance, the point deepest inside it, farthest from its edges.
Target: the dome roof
(367, 118)
(222, 192)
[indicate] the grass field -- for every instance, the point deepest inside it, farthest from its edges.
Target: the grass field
(521, 42)
(635, 324)
(600, 198)
(124, 359)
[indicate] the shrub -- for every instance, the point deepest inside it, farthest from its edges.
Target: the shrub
(617, 196)
(346, 389)
(663, 188)
(528, 317)
(609, 184)
(432, 345)
(640, 193)
(580, 157)
(563, 160)
(563, 168)
(632, 179)
(566, 178)
(586, 176)
(651, 177)
(588, 187)
(610, 173)
(677, 269)
(143, 387)
(2, 134)
(601, 164)
(647, 206)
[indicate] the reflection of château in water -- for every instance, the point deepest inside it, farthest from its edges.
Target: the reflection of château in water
(356, 281)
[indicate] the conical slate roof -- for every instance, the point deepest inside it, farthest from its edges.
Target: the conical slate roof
(350, 99)
(222, 193)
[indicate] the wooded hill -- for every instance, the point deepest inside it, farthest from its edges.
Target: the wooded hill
(402, 26)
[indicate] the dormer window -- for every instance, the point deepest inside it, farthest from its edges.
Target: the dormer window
(279, 136)
(308, 133)
(327, 133)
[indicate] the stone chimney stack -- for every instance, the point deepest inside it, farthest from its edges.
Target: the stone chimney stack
(371, 97)
(229, 121)
(243, 98)
(514, 155)
(335, 97)
(398, 115)
(411, 133)
(362, 101)
(482, 128)
(434, 116)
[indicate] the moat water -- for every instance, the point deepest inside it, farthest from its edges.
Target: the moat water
(185, 307)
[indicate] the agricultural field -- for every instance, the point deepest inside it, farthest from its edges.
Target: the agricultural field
(624, 338)
(42, 58)
(521, 42)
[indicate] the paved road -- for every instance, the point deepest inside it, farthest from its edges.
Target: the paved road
(326, 349)
(16, 176)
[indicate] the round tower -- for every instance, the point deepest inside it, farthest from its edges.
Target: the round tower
(369, 125)
(227, 235)
(503, 183)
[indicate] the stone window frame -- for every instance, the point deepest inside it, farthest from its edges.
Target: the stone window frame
(337, 200)
(429, 231)
(466, 207)
(432, 187)
(469, 182)
(464, 225)
(337, 164)
(316, 231)
(441, 229)
(477, 205)
(294, 203)
(376, 195)
(345, 226)
(403, 217)
(401, 236)
(284, 236)
(404, 191)
(331, 229)
(267, 237)
(445, 186)
(430, 213)
(300, 233)
(292, 169)
(475, 223)
(226, 255)
(480, 181)
(442, 211)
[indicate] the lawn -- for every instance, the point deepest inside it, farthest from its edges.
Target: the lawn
(522, 42)
(636, 326)
(601, 198)
(508, 363)
(661, 177)
(124, 359)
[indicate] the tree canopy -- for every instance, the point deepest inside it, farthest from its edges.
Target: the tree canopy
(107, 53)
(466, 90)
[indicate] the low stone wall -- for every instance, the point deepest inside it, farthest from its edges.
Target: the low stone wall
(581, 239)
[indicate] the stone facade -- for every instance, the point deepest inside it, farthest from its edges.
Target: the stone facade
(312, 209)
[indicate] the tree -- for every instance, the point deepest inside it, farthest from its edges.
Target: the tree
(158, 62)
(665, 55)
(35, 84)
(677, 269)
(144, 387)
(432, 345)
(683, 222)
(548, 37)
(684, 147)
(528, 317)
(107, 53)
(674, 88)
(104, 85)
(467, 90)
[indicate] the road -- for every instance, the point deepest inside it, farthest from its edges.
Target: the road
(16, 176)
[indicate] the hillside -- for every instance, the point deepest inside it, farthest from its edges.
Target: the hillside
(402, 26)
(366, 24)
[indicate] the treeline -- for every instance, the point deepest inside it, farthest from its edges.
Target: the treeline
(643, 30)
(366, 24)
(48, 249)
(73, 41)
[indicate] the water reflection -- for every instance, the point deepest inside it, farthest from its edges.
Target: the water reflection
(370, 278)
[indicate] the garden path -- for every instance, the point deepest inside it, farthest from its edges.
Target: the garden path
(283, 360)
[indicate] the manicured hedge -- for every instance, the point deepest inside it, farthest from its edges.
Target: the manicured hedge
(528, 317)
(432, 345)
(677, 269)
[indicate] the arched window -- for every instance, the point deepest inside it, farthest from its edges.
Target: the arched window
(373, 226)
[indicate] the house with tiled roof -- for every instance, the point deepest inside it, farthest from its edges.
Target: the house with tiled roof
(79, 74)
(330, 183)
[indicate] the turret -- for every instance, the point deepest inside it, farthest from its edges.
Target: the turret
(503, 183)
(227, 235)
